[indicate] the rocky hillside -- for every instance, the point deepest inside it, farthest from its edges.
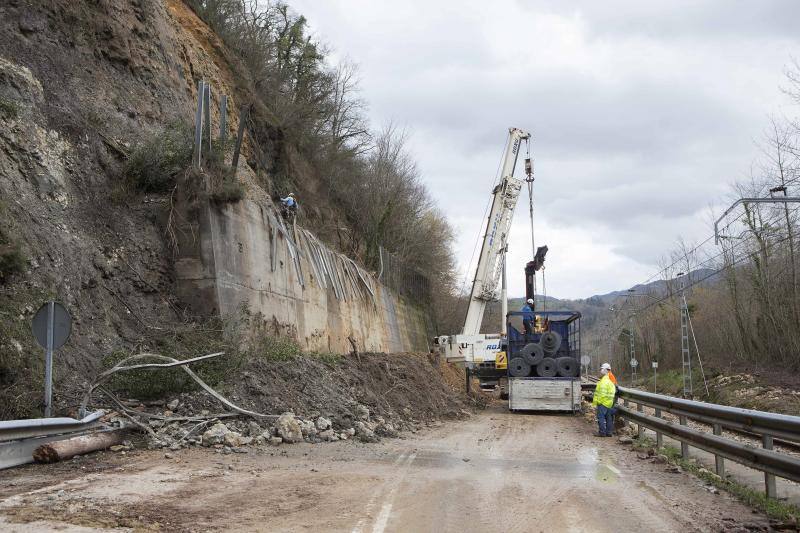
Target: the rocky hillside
(86, 87)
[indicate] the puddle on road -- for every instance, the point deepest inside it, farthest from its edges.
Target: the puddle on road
(606, 473)
(590, 460)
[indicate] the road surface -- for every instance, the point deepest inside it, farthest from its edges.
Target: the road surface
(493, 472)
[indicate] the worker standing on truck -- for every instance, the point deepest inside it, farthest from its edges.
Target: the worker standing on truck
(604, 393)
(527, 317)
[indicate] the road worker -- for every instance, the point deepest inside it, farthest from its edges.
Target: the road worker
(289, 207)
(527, 317)
(604, 393)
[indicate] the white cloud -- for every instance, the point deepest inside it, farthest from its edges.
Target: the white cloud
(642, 113)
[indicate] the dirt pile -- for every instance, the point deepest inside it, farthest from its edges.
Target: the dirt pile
(311, 398)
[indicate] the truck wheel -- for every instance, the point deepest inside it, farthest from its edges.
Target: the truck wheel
(551, 342)
(533, 353)
(547, 368)
(567, 367)
(518, 368)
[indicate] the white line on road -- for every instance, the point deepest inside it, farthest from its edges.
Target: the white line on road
(359, 528)
(386, 508)
(614, 469)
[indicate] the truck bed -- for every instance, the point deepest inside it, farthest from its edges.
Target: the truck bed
(544, 394)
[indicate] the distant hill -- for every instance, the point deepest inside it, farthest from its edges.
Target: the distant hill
(701, 276)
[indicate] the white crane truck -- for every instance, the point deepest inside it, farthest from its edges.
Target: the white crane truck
(536, 367)
(482, 354)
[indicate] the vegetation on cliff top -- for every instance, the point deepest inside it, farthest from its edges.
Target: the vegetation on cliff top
(361, 190)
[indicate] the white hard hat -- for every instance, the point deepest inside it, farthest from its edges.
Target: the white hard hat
(291, 194)
(605, 366)
(530, 300)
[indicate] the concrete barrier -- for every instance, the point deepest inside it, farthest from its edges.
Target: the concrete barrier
(242, 254)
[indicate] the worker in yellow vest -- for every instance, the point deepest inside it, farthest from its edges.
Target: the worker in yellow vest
(603, 400)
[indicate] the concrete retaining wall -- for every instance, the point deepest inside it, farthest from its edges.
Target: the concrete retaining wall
(242, 254)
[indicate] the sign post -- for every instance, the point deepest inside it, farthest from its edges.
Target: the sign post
(655, 377)
(51, 326)
(585, 361)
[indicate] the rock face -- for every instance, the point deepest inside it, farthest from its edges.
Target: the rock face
(289, 428)
(215, 434)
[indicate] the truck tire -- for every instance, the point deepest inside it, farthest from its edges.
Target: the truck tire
(567, 367)
(547, 368)
(518, 368)
(533, 353)
(551, 342)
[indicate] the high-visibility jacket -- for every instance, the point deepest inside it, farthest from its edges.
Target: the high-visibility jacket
(612, 377)
(604, 392)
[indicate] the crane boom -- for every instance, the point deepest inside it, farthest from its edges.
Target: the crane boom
(490, 261)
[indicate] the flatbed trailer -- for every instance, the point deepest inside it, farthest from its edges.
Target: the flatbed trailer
(538, 390)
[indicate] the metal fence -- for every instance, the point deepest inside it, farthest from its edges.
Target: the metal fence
(764, 425)
(398, 276)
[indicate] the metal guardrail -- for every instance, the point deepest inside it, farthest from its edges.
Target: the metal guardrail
(765, 425)
(18, 438)
(37, 427)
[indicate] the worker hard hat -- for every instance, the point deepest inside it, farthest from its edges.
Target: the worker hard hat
(291, 194)
(530, 300)
(605, 366)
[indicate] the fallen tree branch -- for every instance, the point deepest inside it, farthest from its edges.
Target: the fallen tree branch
(170, 362)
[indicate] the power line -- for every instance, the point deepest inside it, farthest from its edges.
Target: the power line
(658, 301)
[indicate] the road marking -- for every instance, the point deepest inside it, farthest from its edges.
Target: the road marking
(359, 527)
(386, 508)
(614, 469)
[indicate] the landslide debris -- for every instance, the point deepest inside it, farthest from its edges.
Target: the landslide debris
(366, 397)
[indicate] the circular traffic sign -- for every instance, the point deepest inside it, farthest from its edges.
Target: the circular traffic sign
(62, 325)
(585, 360)
(634, 363)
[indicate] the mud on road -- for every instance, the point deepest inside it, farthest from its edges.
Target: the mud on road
(495, 471)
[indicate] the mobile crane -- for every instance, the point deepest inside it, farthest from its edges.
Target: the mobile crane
(482, 354)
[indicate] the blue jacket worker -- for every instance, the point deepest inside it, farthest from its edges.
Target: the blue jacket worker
(527, 317)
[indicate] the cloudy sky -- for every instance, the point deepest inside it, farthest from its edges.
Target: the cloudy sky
(642, 114)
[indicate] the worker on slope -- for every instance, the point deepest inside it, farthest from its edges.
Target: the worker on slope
(289, 207)
(604, 394)
(527, 317)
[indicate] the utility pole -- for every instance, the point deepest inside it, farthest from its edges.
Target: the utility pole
(685, 355)
(633, 351)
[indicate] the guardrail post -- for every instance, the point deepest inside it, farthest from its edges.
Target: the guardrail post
(769, 479)
(659, 437)
(640, 432)
(684, 445)
(719, 461)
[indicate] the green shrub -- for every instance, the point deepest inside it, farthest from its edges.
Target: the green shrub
(228, 192)
(8, 109)
(156, 162)
(12, 260)
(275, 348)
(190, 340)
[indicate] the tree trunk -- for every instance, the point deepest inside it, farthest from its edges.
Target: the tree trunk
(64, 449)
